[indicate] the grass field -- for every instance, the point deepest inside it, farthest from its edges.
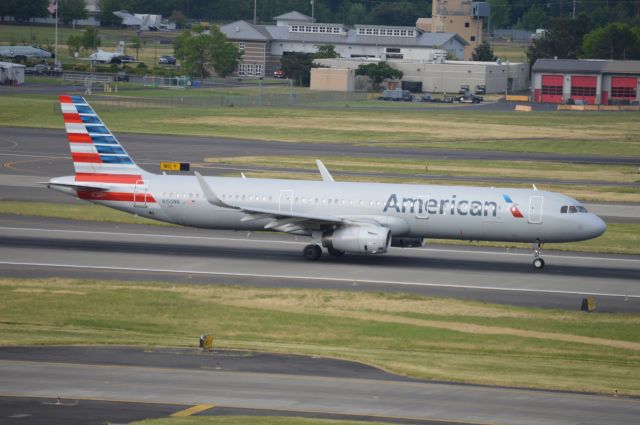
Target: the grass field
(424, 337)
(596, 133)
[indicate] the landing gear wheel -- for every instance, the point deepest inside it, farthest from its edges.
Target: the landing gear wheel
(538, 263)
(311, 252)
(335, 252)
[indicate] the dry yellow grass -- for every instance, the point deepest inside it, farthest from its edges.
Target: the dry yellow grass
(434, 129)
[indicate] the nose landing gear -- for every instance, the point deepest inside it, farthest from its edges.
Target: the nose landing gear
(538, 262)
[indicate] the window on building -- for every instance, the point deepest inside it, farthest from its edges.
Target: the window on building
(583, 91)
(552, 90)
(624, 92)
(466, 24)
(242, 45)
(258, 70)
(473, 38)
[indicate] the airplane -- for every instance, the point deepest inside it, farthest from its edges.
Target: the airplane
(144, 21)
(109, 57)
(24, 52)
(343, 217)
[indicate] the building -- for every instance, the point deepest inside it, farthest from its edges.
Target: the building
(447, 76)
(333, 79)
(593, 82)
(463, 17)
(11, 73)
(264, 45)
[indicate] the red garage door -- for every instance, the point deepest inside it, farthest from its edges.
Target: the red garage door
(584, 88)
(624, 88)
(552, 88)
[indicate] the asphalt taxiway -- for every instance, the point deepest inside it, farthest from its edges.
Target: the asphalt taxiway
(40, 247)
(375, 395)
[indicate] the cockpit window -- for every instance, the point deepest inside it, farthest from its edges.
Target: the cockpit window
(581, 209)
(572, 209)
(563, 209)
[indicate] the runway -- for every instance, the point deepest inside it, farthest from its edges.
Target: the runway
(41, 247)
(328, 394)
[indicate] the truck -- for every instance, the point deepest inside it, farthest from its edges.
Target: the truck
(397, 95)
(465, 96)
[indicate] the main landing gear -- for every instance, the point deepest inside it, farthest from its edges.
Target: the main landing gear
(311, 252)
(538, 262)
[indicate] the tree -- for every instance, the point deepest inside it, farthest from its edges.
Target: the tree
(500, 14)
(483, 53)
(326, 51)
(74, 42)
(136, 43)
(563, 39)
(297, 66)
(90, 39)
(399, 13)
(200, 50)
(378, 72)
(178, 18)
(23, 11)
(534, 18)
(72, 10)
(614, 41)
(107, 7)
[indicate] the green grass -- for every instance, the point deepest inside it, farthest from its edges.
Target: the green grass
(593, 133)
(87, 211)
(428, 338)
(248, 420)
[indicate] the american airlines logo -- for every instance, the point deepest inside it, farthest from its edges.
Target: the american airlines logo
(451, 206)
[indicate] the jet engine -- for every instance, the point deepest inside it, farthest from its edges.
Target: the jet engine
(362, 239)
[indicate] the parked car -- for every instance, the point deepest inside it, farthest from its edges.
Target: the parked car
(279, 74)
(167, 60)
(121, 76)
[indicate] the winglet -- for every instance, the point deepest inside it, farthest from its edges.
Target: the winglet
(210, 195)
(326, 175)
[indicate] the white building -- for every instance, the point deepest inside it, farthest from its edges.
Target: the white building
(11, 73)
(263, 45)
(447, 76)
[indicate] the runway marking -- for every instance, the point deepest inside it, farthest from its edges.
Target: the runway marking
(214, 238)
(193, 410)
(323, 279)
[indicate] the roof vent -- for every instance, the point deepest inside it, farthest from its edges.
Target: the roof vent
(237, 28)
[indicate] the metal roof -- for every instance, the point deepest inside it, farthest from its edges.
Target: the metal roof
(569, 65)
(242, 30)
(622, 67)
(294, 16)
(588, 66)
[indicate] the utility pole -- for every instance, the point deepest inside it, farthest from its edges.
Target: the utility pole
(255, 11)
(313, 9)
(574, 9)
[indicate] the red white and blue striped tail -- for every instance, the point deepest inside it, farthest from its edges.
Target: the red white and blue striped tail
(97, 155)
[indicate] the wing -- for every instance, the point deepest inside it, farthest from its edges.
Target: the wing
(282, 221)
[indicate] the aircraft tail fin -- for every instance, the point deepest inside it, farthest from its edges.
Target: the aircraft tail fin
(120, 49)
(96, 153)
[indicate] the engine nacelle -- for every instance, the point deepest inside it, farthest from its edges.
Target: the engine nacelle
(361, 239)
(404, 242)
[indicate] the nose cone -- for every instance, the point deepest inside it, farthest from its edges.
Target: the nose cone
(595, 226)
